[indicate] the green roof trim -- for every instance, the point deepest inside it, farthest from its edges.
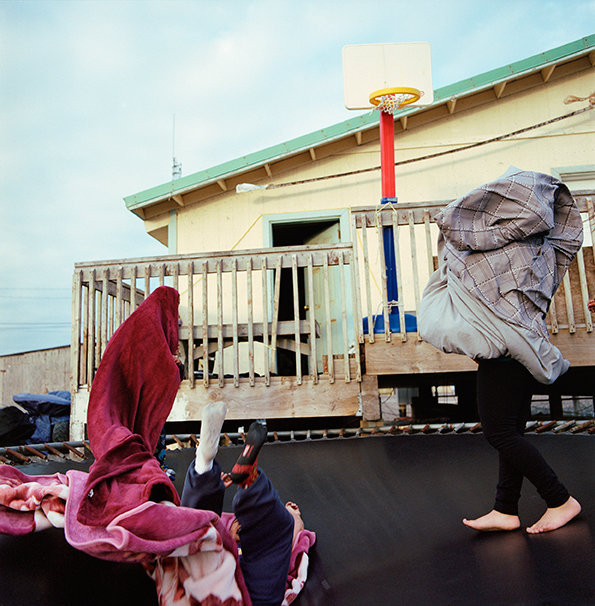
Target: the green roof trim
(353, 125)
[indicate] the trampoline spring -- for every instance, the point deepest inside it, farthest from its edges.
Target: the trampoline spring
(581, 426)
(5, 460)
(73, 450)
(545, 427)
(564, 426)
(194, 439)
(178, 441)
(18, 455)
(88, 447)
(476, 428)
(35, 452)
(53, 450)
(226, 440)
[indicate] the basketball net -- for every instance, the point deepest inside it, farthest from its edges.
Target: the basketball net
(390, 100)
(390, 104)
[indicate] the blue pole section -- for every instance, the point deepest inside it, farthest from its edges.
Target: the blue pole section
(392, 289)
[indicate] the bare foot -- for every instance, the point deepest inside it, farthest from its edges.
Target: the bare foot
(556, 517)
(493, 521)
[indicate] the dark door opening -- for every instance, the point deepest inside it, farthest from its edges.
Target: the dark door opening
(297, 234)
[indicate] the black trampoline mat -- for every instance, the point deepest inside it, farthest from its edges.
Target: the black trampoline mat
(387, 513)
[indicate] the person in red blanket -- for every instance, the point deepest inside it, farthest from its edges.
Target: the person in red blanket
(265, 529)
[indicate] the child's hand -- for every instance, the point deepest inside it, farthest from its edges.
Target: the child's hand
(226, 479)
(591, 305)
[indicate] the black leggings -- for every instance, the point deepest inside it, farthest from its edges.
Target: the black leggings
(504, 390)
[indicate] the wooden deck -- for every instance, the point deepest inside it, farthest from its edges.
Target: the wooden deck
(284, 332)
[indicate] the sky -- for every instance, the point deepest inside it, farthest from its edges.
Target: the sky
(90, 92)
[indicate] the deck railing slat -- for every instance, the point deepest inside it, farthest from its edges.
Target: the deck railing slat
(312, 322)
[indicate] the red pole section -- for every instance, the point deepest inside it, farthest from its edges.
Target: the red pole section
(387, 154)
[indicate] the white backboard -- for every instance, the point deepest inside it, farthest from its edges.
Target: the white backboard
(371, 67)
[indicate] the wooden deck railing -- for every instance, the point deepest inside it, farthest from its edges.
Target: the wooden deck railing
(298, 321)
(396, 348)
(412, 233)
(230, 303)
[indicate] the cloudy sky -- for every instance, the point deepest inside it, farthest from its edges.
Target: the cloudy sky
(89, 91)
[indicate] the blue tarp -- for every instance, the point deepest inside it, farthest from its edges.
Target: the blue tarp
(394, 323)
(45, 410)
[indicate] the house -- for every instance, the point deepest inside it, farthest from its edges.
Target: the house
(292, 304)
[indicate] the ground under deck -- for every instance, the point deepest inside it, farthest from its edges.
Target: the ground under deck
(386, 510)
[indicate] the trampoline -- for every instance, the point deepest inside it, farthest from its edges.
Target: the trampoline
(387, 513)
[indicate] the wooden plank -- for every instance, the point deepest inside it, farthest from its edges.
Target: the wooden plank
(591, 216)
(92, 339)
(112, 286)
(416, 286)
(370, 398)
(582, 273)
(399, 274)
(190, 303)
(249, 295)
(429, 252)
(75, 332)
(367, 273)
(104, 311)
(220, 367)
(284, 327)
(234, 324)
(578, 348)
(329, 326)
(312, 323)
(133, 301)
(383, 283)
(358, 328)
(568, 300)
(296, 320)
(344, 318)
(176, 275)
(119, 318)
(265, 322)
(276, 299)
(356, 287)
(147, 281)
(284, 398)
(84, 353)
(205, 326)
(161, 274)
(412, 357)
(226, 258)
(553, 314)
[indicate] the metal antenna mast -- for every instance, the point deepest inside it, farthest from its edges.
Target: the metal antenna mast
(176, 169)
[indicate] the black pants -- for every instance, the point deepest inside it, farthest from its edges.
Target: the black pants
(504, 390)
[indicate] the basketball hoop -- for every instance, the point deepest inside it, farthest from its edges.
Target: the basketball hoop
(390, 100)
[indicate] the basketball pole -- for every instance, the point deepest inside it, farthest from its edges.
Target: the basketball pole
(388, 188)
(387, 154)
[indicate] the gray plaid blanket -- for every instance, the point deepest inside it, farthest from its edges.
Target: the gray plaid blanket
(504, 246)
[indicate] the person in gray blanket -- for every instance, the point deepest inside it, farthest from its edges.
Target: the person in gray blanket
(503, 249)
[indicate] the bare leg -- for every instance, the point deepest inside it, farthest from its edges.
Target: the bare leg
(494, 521)
(556, 517)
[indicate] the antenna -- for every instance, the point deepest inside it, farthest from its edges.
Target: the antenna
(176, 168)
